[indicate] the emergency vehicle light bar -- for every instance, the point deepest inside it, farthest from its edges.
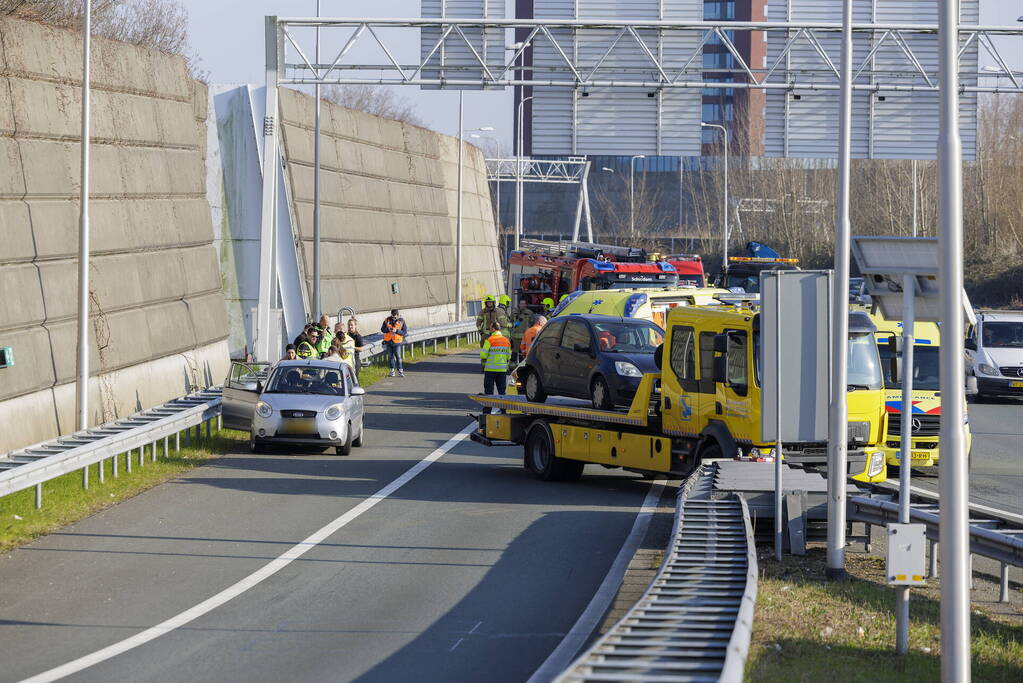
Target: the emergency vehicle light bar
(755, 259)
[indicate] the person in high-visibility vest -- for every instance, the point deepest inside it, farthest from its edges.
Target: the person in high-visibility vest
(306, 347)
(522, 320)
(504, 306)
(548, 305)
(394, 330)
(495, 357)
(490, 314)
(530, 335)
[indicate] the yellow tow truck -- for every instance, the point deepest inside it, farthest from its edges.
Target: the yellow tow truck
(704, 403)
(926, 409)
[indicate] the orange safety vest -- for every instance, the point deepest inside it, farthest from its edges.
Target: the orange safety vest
(392, 336)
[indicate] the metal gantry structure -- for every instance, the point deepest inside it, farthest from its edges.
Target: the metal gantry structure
(789, 70)
(573, 170)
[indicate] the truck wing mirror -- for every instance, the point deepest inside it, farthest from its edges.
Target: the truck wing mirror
(721, 343)
(970, 344)
(720, 369)
(659, 355)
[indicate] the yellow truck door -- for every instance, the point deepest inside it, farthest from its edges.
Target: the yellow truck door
(679, 382)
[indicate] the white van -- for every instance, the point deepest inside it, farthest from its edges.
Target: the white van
(994, 347)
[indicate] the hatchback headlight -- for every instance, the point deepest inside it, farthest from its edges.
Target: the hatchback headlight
(333, 412)
(264, 409)
(627, 369)
(986, 369)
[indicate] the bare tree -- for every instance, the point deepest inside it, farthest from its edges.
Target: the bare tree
(621, 209)
(157, 24)
(373, 100)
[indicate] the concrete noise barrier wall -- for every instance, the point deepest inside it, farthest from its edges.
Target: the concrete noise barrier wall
(158, 326)
(388, 213)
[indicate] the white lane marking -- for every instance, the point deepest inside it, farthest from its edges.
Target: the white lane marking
(478, 624)
(459, 642)
(566, 651)
(296, 551)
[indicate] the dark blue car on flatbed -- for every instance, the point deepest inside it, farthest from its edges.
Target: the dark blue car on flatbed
(597, 357)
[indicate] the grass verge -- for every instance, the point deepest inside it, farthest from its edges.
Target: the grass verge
(809, 629)
(65, 501)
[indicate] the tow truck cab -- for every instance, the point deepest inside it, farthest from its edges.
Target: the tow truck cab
(743, 272)
(926, 412)
(710, 390)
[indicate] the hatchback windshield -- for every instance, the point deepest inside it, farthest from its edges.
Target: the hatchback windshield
(925, 368)
(306, 380)
(617, 337)
(1003, 335)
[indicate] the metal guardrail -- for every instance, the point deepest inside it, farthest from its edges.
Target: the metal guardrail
(995, 534)
(694, 622)
(32, 466)
(436, 334)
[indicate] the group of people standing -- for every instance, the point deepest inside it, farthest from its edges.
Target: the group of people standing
(505, 338)
(343, 343)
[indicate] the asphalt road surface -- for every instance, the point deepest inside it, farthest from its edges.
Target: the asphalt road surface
(471, 570)
(996, 477)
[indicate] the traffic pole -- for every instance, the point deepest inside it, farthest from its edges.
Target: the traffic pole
(905, 450)
(838, 419)
(954, 476)
(82, 393)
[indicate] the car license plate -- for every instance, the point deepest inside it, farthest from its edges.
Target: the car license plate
(1016, 385)
(920, 455)
(303, 425)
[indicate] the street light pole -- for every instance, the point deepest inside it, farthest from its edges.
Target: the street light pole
(317, 310)
(724, 213)
(838, 418)
(83, 237)
(954, 538)
(632, 195)
(458, 223)
(518, 180)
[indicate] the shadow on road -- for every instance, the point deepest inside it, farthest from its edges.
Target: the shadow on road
(508, 624)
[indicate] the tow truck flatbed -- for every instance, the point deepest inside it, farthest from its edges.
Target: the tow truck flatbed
(574, 409)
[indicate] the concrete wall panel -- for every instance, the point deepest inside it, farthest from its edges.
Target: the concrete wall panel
(157, 324)
(388, 193)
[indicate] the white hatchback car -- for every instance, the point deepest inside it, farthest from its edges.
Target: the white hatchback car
(297, 403)
(995, 350)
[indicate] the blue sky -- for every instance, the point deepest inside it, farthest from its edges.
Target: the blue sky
(228, 37)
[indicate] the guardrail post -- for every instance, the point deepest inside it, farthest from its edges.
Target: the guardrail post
(39, 496)
(934, 560)
(153, 454)
(868, 531)
(166, 446)
(445, 343)
(1003, 586)
(220, 419)
(85, 477)
(177, 441)
(127, 462)
(435, 346)
(113, 466)
(99, 466)
(142, 456)
(970, 569)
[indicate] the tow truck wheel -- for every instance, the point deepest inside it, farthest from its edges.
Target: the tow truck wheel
(600, 395)
(540, 458)
(710, 451)
(534, 390)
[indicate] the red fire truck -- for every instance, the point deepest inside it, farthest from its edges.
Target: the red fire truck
(689, 268)
(552, 269)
